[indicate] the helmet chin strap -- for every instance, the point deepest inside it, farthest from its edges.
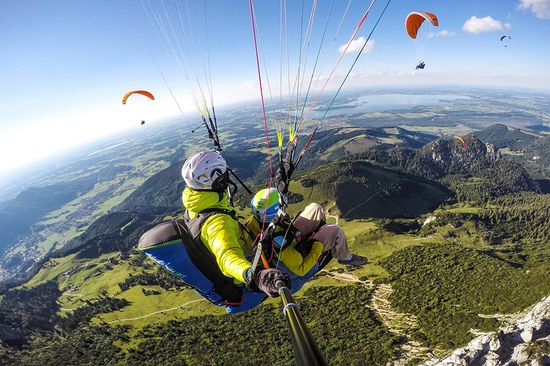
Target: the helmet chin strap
(231, 190)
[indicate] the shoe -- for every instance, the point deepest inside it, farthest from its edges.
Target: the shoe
(355, 260)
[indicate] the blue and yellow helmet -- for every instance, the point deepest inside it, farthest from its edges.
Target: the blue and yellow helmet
(265, 204)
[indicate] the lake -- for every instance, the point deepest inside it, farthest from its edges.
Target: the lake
(385, 102)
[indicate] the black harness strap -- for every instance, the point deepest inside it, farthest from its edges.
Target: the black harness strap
(203, 258)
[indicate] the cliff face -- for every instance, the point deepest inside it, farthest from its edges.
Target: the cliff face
(449, 156)
(526, 342)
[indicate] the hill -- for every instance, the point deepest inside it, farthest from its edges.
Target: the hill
(335, 143)
(502, 136)
(20, 213)
(358, 189)
(530, 149)
(157, 195)
(161, 193)
(475, 172)
(442, 275)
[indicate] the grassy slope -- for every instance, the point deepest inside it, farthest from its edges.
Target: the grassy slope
(365, 237)
(447, 286)
(380, 193)
(92, 277)
(84, 280)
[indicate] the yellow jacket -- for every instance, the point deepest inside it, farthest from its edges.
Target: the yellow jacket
(222, 235)
(290, 257)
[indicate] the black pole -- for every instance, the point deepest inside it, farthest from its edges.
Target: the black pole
(306, 352)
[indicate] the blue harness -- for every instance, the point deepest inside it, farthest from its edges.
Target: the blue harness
(176, 246)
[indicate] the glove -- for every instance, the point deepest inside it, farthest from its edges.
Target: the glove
(265, 280)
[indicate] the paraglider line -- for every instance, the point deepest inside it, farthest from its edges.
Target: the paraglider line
(155, 60)
(251, 4)
(317, 59)
(239, 180)
(332, 44)
(343, 81)
(253, 21)
(359, 25)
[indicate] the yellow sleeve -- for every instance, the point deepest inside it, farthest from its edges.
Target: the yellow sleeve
(223, 237)
(297, 264)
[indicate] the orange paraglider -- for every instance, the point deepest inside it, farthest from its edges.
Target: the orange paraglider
(413, 25)
(142, 92)
(415, 19)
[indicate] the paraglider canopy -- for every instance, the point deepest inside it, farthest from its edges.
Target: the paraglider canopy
(464, 142)
(415, 19)
(503, 38)
(142, 92)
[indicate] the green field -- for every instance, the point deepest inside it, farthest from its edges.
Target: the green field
(507, 151)
(460, 129)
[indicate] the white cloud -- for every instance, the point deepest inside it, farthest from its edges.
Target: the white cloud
(250, 85)
(442, 33)
(356, 44)
(441, 76)
(487, 24)
(541, 8)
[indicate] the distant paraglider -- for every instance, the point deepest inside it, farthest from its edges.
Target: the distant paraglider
(142, 92)
(504, 39)
(464, 142)
(416, 19)
(413, 25)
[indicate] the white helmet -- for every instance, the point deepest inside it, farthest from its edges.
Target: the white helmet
(206, 170)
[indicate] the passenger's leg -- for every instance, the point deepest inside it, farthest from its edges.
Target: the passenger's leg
(308, 221)
(334, 240)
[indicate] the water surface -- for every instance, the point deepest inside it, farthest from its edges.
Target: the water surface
(386, 102)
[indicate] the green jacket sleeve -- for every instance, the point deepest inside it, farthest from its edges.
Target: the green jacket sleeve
(225, 240)
(299, 265)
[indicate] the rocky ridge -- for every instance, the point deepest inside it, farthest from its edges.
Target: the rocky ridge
(526, 342)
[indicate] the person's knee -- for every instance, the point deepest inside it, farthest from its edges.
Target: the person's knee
(313, 211)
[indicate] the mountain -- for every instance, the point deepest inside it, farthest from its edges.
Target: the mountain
(502, 136)
(358, 189)
(335, 143)
(20, 213)
(475, 172)
(526, 339)
(115, 231)
(414, 185)
(159, 194)
(530, 149)
(157, 197)
(449, 156)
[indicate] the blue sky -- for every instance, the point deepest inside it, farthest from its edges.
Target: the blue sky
(65, 64)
